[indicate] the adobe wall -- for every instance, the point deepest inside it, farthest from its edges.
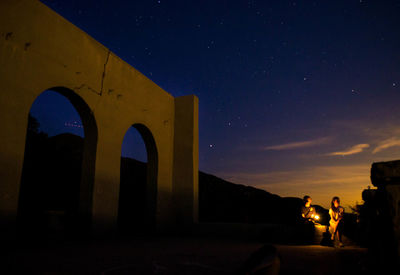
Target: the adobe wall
(40, 50)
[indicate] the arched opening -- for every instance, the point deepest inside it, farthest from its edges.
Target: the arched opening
(58, 172)
(138, 186)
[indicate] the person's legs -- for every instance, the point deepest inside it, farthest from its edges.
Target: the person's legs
(339, 234)
(332, 230)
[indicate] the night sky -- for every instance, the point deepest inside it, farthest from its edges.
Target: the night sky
(295, 97)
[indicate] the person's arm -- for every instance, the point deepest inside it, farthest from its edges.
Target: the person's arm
(302, 212)
(332, 214)
(341, 213)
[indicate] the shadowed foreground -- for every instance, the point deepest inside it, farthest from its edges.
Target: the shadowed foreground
(316, 259)
(176, 256)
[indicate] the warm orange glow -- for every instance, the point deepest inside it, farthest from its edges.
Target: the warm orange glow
(316, 217)
(323, 180)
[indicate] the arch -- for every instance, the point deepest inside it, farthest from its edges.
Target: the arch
(80, 213)
(118, 91)
(139, 215)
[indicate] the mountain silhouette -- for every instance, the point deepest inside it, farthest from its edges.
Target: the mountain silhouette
(51, 179)
(223, 201)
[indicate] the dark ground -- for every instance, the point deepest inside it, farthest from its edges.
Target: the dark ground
(316, 259)
(175, 256)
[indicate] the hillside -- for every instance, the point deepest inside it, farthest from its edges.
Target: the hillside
(51, 177)
(223, 201)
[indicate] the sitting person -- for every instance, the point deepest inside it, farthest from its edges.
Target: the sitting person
(336, 212)
(307, 211)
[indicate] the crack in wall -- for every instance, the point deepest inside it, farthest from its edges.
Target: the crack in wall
(104, 73)
(88, 87)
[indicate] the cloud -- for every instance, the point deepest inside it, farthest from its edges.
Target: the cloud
(381, 135)
(391, 142)
(351, 151)
(296, 145)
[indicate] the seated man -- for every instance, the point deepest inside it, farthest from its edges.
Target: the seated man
(307, 211)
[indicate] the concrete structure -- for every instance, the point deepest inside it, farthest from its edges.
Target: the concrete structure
(385, 212)
(40, 50)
